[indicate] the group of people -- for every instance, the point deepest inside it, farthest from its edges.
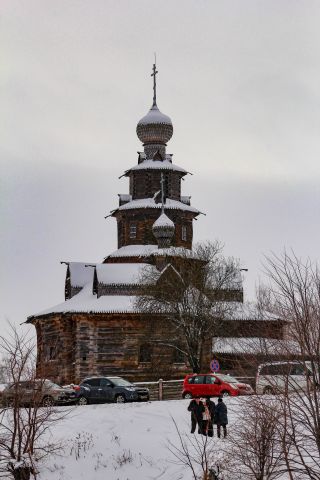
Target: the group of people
(205, 414)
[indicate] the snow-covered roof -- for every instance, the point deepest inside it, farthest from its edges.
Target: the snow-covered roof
(122, 273)
(142, 251)
(150, 203)
(80, 274)
(156, 165)
(253, 345)
(154, 116)
(163, 221)
(86, 302)
(247, 311)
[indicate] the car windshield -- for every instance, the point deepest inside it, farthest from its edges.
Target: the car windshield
(121, 382)
(228, 379)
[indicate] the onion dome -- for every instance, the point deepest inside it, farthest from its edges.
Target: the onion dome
(155, 127)
(163, 229)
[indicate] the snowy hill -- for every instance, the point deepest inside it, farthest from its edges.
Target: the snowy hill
(123, 442)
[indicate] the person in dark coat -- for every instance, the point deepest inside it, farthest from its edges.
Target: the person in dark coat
(221, 417)
(211, 408)
(196, 408)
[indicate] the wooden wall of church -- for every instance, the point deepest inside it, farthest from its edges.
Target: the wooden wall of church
(104, 344)
(74, 346)
(144, 220)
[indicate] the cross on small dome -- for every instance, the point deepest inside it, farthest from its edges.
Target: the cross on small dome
(155, 128)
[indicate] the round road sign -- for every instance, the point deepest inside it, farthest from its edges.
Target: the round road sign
(214, 365)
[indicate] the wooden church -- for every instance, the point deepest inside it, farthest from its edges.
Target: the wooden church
(98, 329)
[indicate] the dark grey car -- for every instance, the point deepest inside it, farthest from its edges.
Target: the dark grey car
(110, 389)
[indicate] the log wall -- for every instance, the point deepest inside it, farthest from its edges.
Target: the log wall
(104, 344)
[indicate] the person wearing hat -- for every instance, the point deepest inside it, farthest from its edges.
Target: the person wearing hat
(196, 408)
(221, 417)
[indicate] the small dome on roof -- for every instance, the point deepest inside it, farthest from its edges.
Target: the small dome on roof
(155, 116)
(163, 229)
(155, 127)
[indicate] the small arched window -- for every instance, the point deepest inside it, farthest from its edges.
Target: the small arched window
(145, 353)
(133, 230)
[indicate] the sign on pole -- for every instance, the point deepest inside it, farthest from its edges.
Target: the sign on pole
(214, 365)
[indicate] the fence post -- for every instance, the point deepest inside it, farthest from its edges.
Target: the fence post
(160, 390)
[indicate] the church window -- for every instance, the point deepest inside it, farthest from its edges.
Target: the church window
(133, 231)
(50, 352)
(145, 353)
(184, 233)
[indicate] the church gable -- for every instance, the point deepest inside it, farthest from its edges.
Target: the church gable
(122, 278)
(78, 275)
(169, 275)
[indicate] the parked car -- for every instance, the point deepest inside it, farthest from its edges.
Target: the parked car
(37, 392)
(207, 384)
(244, 388)
(109, 389)
(277, 377)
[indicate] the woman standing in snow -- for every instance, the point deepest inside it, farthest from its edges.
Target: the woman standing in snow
(196, 408)
(221, 417)
(206, 418)
(211, 407)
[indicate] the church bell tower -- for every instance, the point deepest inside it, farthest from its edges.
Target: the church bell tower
(138, 212)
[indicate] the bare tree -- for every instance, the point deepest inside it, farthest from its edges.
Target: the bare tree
(294, 293)
(197, 453)
(254, 448)
(192, 295)
(24, 425)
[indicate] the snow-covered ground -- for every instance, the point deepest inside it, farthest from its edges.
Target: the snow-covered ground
(124, 442)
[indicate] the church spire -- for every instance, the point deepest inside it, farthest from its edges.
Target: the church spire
(153, 74)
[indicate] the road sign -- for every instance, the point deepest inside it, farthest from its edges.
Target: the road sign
(214, 365)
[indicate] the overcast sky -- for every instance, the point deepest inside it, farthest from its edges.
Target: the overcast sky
(239, 79)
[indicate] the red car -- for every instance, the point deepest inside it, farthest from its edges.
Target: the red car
(244, 388)
(205, 385)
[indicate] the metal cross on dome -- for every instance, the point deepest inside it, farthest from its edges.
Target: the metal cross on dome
(155, 71)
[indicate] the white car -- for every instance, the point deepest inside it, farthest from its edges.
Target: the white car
(279, 377)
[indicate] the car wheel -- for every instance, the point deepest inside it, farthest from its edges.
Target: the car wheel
(47, 402)
(225, 393)
(268, 391)
(83, 401)
(120, 398)
(187, 396)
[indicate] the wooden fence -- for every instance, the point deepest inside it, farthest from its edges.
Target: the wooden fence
(163, 389)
